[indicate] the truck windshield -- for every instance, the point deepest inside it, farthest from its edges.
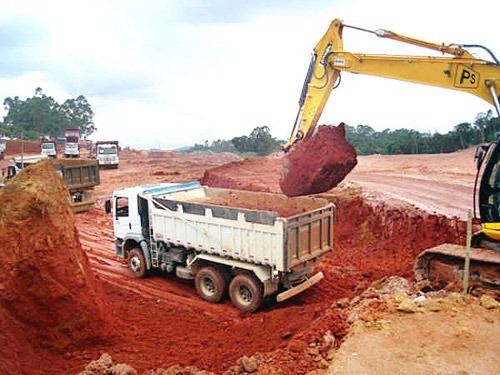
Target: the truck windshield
(107, 150)
(48, 146)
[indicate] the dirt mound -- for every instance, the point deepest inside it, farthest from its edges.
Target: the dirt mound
(255, 174)
(319, 163)
(49, 297)
(282, 205)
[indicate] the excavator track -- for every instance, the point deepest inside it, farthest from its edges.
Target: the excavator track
(443, 266)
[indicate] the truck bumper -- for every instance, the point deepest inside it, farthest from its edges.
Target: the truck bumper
(299, 288)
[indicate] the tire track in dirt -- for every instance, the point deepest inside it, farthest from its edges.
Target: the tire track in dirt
(446, 197)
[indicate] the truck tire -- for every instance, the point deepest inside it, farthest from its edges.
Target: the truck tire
(246, 292)
(211, 284)
(137, 263)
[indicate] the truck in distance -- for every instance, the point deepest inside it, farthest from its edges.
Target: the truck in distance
(48, 147)
(79, 176)
(106, 154)
(71, 148)
(208, 235)
(3, 146)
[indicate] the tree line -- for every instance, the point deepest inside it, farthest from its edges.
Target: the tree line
(367, 141)
(41, 114)
(259, 142)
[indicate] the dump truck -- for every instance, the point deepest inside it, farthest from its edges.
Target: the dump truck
(80, 176)
(217, 238)
(48, 147)
(3, 146)
(71, 147)
(106, 154)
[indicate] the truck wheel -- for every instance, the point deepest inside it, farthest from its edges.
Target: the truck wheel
(211, 284)
(137, 263)
(246, 292)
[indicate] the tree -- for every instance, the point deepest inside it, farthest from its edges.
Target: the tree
(465, 132)
(80, 115)
(41, 114)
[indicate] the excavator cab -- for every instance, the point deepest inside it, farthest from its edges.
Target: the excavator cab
(488, 196)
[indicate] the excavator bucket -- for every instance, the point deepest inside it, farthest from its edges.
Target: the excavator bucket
(319, 163)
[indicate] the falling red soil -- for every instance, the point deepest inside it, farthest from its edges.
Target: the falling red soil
(319, 163)
(159, 321)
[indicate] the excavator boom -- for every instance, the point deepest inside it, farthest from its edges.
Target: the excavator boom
(460, 71)
(317, 163)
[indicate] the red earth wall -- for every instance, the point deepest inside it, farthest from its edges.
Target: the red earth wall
(49, 300)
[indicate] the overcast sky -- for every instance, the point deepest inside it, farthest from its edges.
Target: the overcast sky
(163, 74)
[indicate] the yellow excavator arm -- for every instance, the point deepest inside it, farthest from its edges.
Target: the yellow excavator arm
(461, 71)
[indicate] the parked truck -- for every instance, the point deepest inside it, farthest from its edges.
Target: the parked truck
(106, 153)
(80, 176)
(71, 148)
(208, 235)
(48, 147)
(3, 146)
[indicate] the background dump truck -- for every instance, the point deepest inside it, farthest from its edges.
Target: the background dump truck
(210, 235)
(71, 148)
(49, 148)
(79, 176)
(3, 146)
(106, 153)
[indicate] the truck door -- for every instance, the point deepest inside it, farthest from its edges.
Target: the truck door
(126, 218)
(121, 215)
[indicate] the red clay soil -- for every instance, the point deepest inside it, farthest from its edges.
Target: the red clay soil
(255, 174)
(50, 300)
(278, 203)
(15, 147)
(160, 321)
(371, 242)
(319, 163)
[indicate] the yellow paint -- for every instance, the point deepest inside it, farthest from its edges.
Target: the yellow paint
(462, 72)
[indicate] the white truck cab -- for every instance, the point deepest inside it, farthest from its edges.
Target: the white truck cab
(106, 154)
(49, 149)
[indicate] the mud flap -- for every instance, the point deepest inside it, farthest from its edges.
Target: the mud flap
(299, 288)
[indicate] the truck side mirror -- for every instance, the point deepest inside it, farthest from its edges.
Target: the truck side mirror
(107, 206)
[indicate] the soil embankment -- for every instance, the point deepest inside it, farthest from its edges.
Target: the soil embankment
(161, 322)
(50, 300)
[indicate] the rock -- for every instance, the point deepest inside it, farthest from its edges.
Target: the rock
(328, 342)
(419, 299)
(407, 306)
(400, 296)
(100, 366)
(123, 369)
(322, 364)
(434, 305)
(249, 364)
(488, 302)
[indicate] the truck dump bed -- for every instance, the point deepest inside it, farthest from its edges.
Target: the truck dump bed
(78, 173)
(260, 228)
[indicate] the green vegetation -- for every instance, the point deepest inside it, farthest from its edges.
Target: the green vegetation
(260, 142)
(403, 141)
(41, 114)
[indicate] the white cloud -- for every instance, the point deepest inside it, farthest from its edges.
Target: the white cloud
(174, 73)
